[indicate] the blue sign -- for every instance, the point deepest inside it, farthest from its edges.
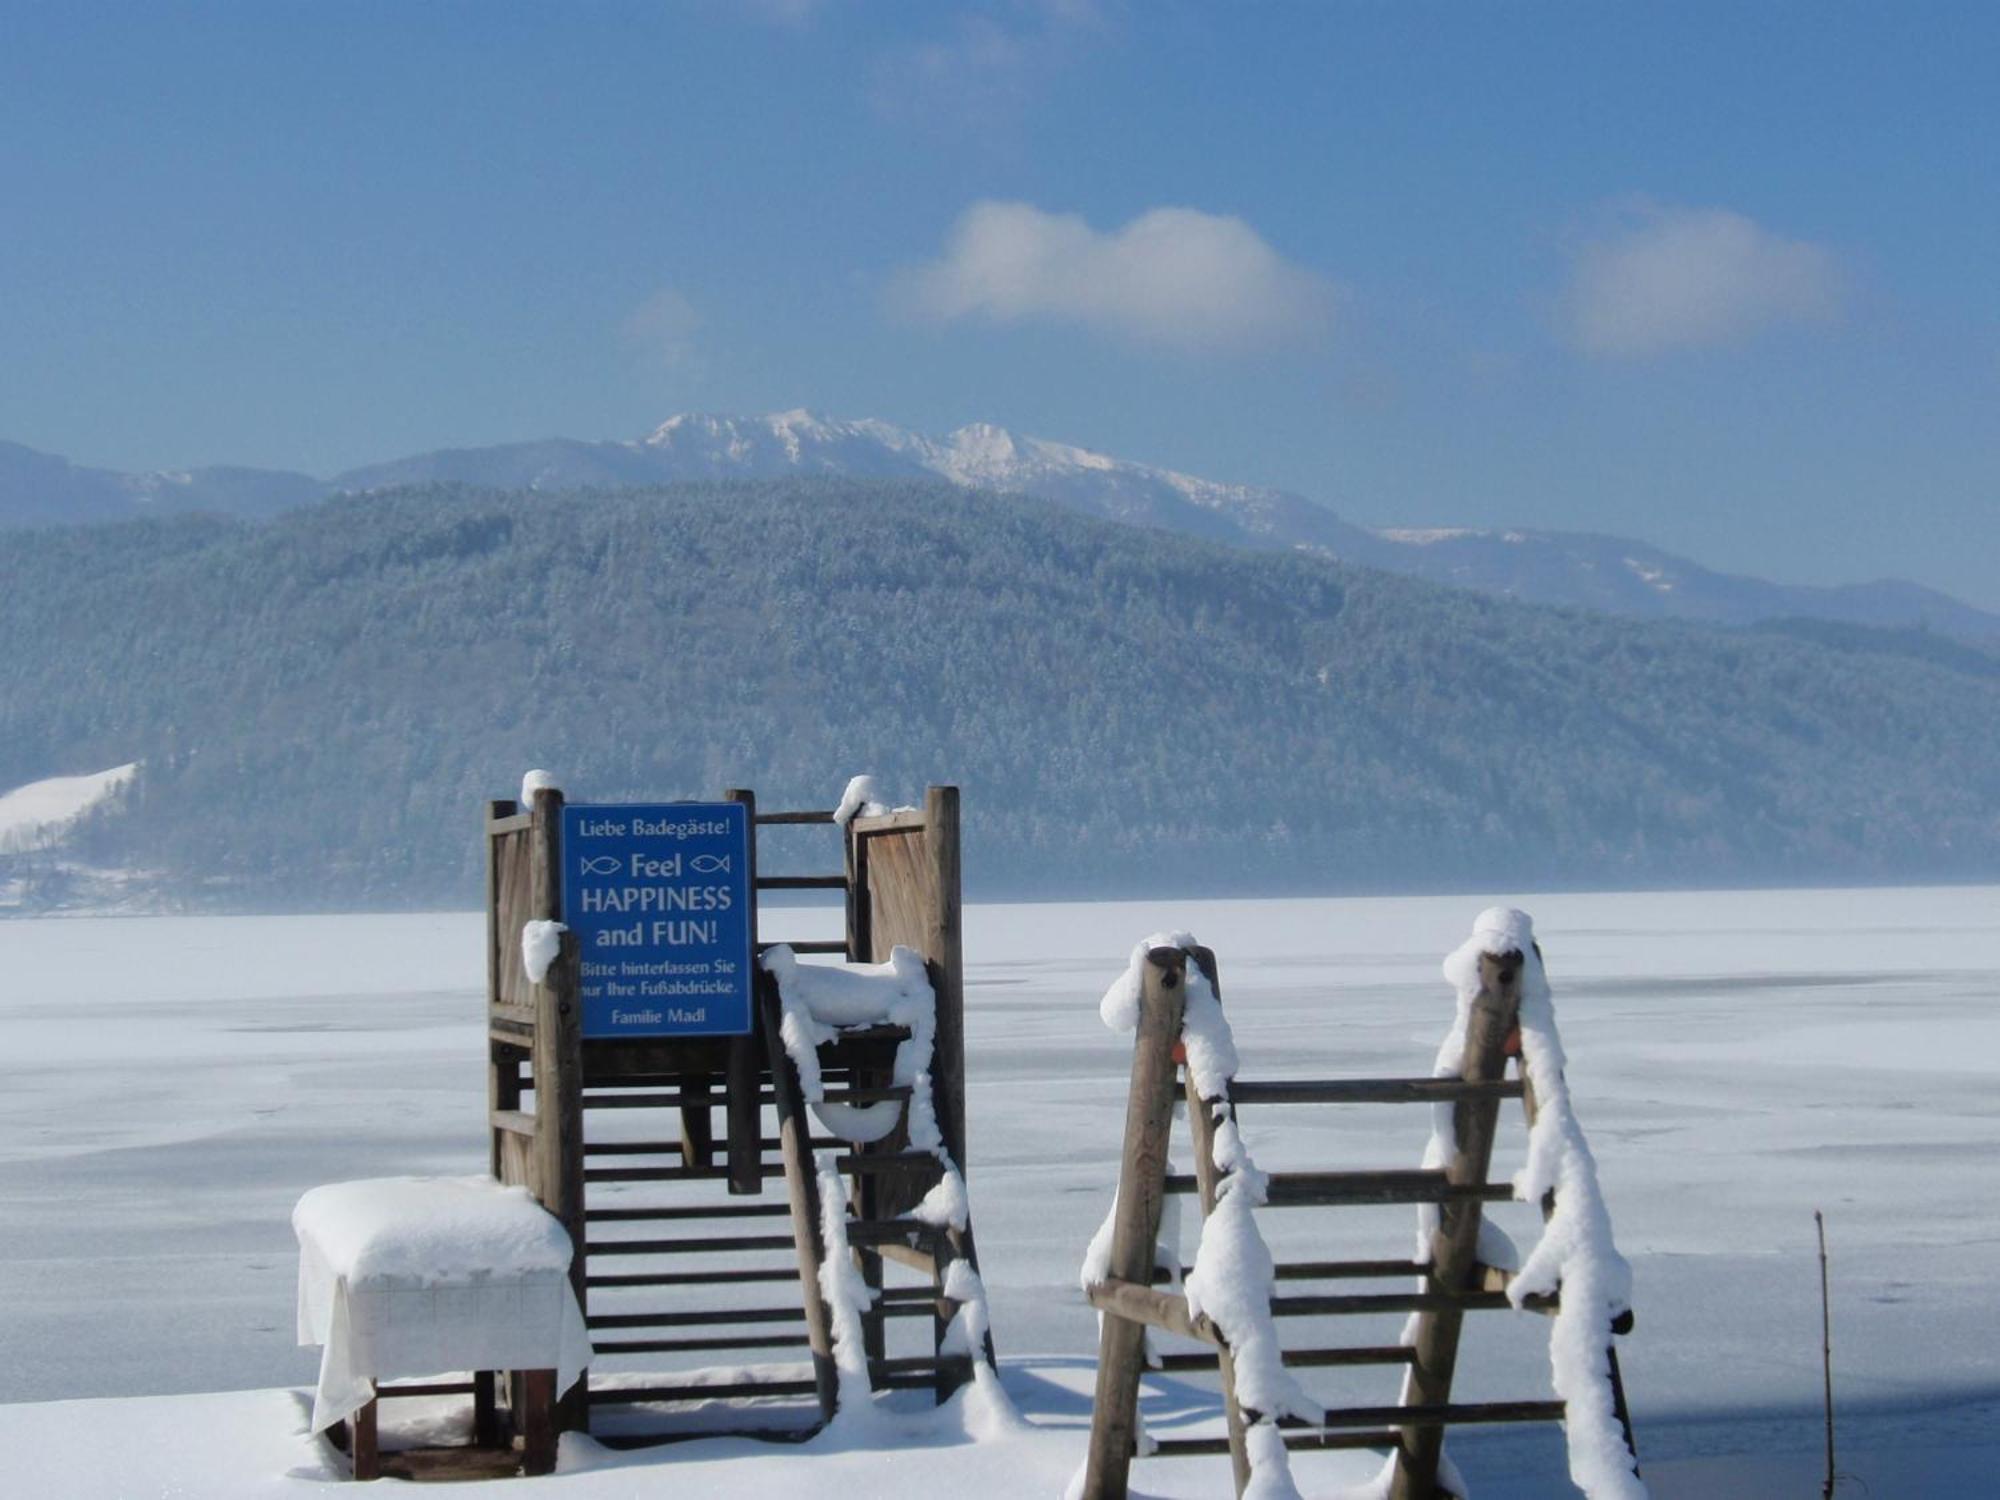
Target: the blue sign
(658, 895)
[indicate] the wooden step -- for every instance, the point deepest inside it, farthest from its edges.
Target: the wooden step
(1337, 1189)
(676, 1100)
(679, 1213)
(690, 1278)
(1371, 1091)
(707, 1317)
(803, 883)
(733, 1390)
(699, 1346)
(888, 1161)
(706, 1245)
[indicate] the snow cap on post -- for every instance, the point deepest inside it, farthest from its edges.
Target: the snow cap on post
(861, 799)
(536, 781)
(1119, 1009)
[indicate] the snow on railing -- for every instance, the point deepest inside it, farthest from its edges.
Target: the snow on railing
(1232, 1278)
(1576, 1254)
(817, 1001)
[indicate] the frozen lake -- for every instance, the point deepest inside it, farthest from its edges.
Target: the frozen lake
(168, 1087)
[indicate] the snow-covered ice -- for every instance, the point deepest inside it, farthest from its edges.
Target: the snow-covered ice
(168, 1088)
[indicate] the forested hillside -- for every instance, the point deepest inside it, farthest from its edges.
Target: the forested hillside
(322, 702)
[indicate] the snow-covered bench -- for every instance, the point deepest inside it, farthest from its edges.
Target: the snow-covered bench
(406, 1276)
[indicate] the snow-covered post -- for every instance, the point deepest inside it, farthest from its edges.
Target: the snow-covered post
(1454, 1247)
(1149, 1120)
(557, 1062)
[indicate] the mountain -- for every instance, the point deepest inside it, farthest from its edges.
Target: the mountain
(320, 703)
(1574, 570)
(39, 489)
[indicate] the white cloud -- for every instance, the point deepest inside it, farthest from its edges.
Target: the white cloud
(1671, 278)
(662, 329)
(1173, 276)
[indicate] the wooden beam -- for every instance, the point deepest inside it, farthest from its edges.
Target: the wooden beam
(1454, 1247)
(1154, 1308)
(802, 1181)
(743, 1115)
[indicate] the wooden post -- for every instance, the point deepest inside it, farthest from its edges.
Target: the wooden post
(499, 1070)
(538, 1434)
(743, 1115)
(558, 1142)
(1454, 1248)
(1142, 1177)
(364, 1444)
(485, 1411)
(860, 905)
(1208, 1181)
(945, 946)
(557, 1064)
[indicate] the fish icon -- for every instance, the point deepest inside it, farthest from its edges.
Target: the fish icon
(600, 864)
(709, 864)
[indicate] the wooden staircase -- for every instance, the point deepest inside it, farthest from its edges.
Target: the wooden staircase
(684, 1167)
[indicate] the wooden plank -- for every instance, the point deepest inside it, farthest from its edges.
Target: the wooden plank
(1149, 1116)
(517, 822)
(1333, 1189)
(1372, 1091)
(513, 1121)
(910, 821)
(1454, 1247)
(1319, 1441)
(801, 882)
(767, 819)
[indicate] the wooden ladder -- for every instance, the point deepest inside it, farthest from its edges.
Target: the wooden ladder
(883, 1179)
(1453, 1283)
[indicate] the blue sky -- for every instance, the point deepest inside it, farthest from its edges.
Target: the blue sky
(1722, 277)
